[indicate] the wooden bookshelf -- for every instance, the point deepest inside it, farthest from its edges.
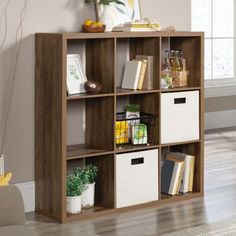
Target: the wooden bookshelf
(95, 143)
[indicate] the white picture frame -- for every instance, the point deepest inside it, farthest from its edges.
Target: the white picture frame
(76, 76)
(130, 12)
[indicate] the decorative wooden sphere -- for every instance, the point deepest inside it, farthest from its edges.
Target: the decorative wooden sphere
(92, 86)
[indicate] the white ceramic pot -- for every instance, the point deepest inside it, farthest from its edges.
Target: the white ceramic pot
(88, 196)
(106, 18)
(73, 205)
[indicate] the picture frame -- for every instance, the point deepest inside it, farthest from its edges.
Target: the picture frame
(76, 76)
(130, 12)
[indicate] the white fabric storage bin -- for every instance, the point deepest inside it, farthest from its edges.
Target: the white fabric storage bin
(136, 178)
(179, 116)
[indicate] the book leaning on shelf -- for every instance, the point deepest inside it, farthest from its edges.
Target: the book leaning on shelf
(148, 78)
(138, 73)
(171, 175)
(186, 184)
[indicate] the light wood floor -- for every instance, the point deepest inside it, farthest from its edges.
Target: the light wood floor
(218, 204)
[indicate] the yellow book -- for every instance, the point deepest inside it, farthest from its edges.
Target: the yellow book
(142, 74)
(191, 178)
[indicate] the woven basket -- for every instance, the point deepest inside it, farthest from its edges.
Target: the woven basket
(179, 78)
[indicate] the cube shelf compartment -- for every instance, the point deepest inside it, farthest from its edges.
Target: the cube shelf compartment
(77, 130)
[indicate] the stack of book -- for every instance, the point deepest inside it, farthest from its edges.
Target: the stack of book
(138, 73)
(138, 26)
(178, 173)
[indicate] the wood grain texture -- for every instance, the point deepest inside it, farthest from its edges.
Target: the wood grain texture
(100, 123)
(104, 190)
(48, 126)
(100, 62)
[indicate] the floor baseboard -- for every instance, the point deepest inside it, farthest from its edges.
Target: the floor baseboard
(28, 192)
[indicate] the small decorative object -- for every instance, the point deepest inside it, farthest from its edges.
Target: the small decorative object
(90, 171)
(174, 69)
(5, 179)
(75, 185)
(75, 74)
(166, 81)
(139, 134)
(92, 86)
(90, 26)
(132, 112)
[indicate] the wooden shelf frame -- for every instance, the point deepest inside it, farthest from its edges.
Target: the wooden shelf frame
(52, 153)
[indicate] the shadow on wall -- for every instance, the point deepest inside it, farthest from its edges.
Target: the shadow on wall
(78, 7)
(19, 139)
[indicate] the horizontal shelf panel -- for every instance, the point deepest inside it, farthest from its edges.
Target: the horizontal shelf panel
(67, 36)
(180, 89)
(87, 213)
(123, 92)
(180, 143)
(85, 95)
(132, 148)
(181, 196)
(83, 150)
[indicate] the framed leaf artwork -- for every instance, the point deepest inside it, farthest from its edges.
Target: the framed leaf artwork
(75, 75)
(127, 13)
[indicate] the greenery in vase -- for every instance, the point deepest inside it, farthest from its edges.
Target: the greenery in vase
(75, 185)
(105, 2)
(91, 173)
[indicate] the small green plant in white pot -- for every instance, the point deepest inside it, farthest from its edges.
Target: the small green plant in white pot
(75, 185)
(89, 173)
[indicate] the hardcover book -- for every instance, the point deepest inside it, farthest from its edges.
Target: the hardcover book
(148, 78)
(131, 75)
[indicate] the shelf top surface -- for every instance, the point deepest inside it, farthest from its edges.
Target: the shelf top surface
(82, 35)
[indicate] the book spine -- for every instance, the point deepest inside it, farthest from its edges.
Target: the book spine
(173, 179)
(142, 74)
(137, 75)
(179, 177)
(148, 79)
(186, 175)
(191, 174)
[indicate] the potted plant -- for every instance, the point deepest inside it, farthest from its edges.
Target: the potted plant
(104, 14)
(89, 173)
(75, 185)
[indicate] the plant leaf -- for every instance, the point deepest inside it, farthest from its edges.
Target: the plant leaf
(133, 13)
(120, 10)
(119, 2)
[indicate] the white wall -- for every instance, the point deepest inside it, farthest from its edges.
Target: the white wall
(50, 16)
(168, 12)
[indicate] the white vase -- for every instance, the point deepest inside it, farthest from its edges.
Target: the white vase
(73, 204)
(88, 196)
(106, 18)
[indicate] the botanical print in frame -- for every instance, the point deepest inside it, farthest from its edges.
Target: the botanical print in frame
(75, 74)
(127, 13)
